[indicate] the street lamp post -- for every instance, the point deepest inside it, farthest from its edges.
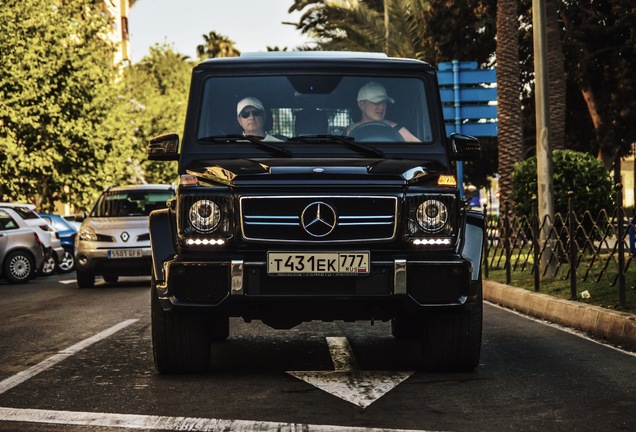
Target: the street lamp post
(545, 191)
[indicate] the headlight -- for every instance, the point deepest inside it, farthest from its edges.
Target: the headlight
(432, 215)
(87, 234)
(204, 216)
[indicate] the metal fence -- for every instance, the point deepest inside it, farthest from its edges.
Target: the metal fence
(573, 247)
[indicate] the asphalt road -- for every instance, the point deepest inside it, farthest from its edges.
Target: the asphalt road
(80, 360)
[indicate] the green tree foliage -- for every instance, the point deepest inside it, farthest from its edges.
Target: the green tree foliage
(216, 45)
(574, 171)
(600, 50)
(431, 30)
(60, 140)
(157, 90)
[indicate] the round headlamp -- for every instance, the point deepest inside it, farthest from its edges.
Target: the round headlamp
(205, 216)
(432, 215)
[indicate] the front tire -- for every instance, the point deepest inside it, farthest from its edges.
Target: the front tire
(180, 342)
(111, 279)
(452, 342)
(85, 279)
(67, 264)
(19, 267)
(49, 266)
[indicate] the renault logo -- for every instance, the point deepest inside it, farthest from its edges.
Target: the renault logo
(125, 236)
(318, 219)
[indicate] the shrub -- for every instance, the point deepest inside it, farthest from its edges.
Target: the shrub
(578, 172)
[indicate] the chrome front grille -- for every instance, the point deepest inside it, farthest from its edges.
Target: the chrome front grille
(336, 218)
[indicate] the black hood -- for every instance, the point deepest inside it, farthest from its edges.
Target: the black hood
(237, 172)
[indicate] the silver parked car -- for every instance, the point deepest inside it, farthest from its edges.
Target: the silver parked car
(54, 252)
(21, 250)
(113, 239)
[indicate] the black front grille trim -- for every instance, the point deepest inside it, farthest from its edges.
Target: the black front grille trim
(437, 283)
(203, 284)
(278, 218)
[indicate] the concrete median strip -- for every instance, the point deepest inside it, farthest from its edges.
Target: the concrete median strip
(616, 327)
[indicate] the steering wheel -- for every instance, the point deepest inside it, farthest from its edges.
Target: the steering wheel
(375, 131)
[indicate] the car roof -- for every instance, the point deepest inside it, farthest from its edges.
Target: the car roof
(283, 59)
(11, 205)
(140, 187)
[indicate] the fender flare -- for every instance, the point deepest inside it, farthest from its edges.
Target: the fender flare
(473, 244)
(162, 241)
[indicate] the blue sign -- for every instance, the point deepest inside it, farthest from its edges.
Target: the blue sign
(469, 97)
(469, 100)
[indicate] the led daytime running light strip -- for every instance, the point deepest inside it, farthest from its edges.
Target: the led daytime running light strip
(205, 242)
(438, 241)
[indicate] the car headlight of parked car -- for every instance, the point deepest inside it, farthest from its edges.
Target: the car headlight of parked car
(87, 234)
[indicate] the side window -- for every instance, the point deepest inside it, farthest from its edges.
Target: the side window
(7, 222)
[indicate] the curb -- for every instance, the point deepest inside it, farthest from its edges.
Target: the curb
(616, 327)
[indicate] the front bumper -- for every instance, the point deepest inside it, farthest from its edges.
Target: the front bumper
(244, 288)
(97, 261)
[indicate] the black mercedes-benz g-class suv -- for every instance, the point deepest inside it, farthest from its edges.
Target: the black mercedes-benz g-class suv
(343, 205)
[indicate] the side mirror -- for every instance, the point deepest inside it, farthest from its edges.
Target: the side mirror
(464, 147)
(164, 147)
(79, 217)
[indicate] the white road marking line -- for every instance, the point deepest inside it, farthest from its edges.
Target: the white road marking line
(67, 281)
(24, 375)
(135, 421)
(346, 381)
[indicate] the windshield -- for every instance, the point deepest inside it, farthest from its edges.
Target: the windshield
(282, 108)
(130, 203)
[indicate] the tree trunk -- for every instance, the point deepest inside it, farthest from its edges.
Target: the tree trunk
(509, 90)
(605, 154)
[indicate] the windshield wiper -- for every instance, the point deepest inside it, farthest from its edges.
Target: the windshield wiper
(348, 141)
(250, 138)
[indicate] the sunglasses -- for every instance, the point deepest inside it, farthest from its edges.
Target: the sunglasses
(255, 113)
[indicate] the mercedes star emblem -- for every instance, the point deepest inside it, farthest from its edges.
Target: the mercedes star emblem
(318, 219)
(125, 236)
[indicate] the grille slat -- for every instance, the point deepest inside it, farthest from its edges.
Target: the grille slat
(279, 219)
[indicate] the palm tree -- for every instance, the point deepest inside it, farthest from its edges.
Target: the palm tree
(354, 25)
(509, 90)
(216, 45)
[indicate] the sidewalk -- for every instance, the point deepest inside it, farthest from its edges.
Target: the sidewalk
(617, 327)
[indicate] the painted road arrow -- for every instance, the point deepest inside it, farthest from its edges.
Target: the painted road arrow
(347, 381)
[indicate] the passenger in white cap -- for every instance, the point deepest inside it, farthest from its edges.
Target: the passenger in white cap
(251, 115)
(372, 101)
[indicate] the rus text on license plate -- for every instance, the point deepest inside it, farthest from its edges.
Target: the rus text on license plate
(125, 253)
(318, 263)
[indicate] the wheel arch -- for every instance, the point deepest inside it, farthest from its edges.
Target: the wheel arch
(162, 241)
(473, 244)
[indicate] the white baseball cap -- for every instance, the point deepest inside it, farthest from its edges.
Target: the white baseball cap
(249, 101)
(373, 92)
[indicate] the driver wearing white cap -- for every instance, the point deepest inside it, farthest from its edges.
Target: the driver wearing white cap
(251, 115)
(372, 101)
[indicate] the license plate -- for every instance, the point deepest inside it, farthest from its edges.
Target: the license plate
(125, 253)
(318, 263)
